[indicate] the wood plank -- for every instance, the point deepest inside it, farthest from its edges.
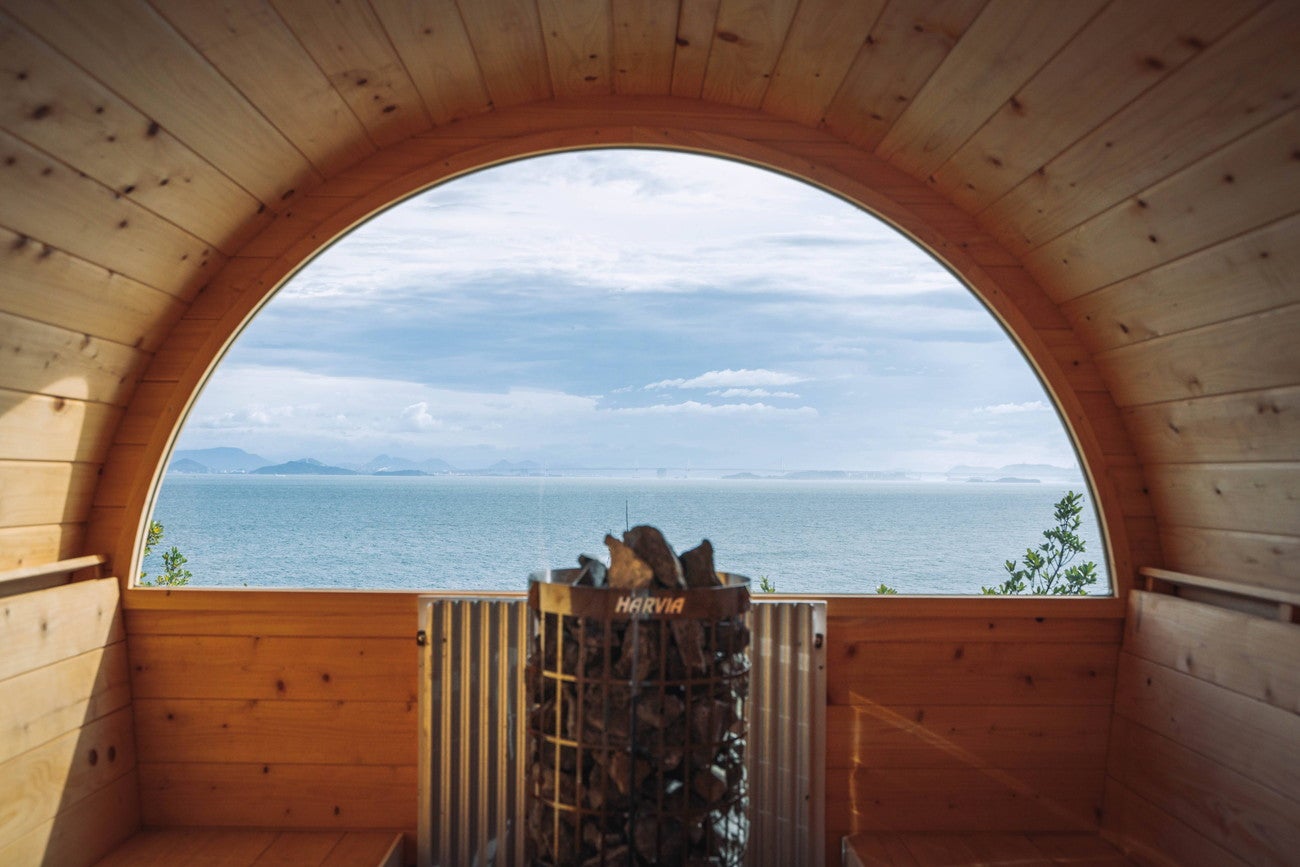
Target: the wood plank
(304, 602)
(84, 832)
(1257, 740)
(48, 285)
(1156, 838)
(820, 47)
(64, 209)
(1183, 582)
(929, 673)
(281, 795)
(1081, 850)
(1236, 84)
(41, 628)
(152, 404)
(338, 623)
(578, 50)
(256, 51)
(1001, 50)
(696, 22)
(904, 48)
(297, 848)
(1121, 52)
(1259, 425)
(1257, 498)
(849, 635)
(22, 547)
(1249, 655)
(878, 850)
(941, 736)
(47, 359)
(59, 569)
(939, 850)
(1247, 354)
(1247, 819)
(977, 608)
(930, 799)
(1246, 274)
(293, 732)
(350, 46)
(258, 667)
(644, 35)
(130, 48)
(507, 41)
(56, 107)
(373, 849)
(1251, 182)
(191, 846)
(35, 427)
(41, 782)
(33, 492)
(746, 44)
(1253, 559)
(38, 706)
(430, 39)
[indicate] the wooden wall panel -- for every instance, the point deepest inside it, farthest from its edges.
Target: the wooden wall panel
(747, 42)
(1253, 559)
(1204, 748)
(36, 492)
(35, 427)
(1248, 425)
(695, 23)
(40, 544)
(824, 39)
(430, 39)
(578, 49)
(644, 45)
(507, 41)
(46, 359)
(67, 742)
(1254, 498)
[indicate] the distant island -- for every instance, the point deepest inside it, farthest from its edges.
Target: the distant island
(1009, 480)
(304, 467)
(834, 475)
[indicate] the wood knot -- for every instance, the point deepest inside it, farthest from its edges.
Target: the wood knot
(728, 36)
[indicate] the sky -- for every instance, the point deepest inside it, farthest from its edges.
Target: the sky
(629, 308)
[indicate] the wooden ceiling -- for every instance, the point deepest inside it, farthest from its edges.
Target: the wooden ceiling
(1119, 180)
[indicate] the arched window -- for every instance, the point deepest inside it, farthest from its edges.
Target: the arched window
(486, 378)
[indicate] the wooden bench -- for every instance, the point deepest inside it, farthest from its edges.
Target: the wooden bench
(968, 850)
(244, 847)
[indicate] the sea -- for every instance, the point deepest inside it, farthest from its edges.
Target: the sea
(476, 533)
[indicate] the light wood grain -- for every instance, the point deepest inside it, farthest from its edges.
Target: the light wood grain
(35, 545)
(83, 833)
(578, 50)
(431, 40)
(644, 44)
(44, 493)
(44, 627)
(252, 47)
(747, 41)
(507, 42)
(823, 41)
(1254, 559)
(1257, 498)
(695, 25)
(41, 428)
(47, 359)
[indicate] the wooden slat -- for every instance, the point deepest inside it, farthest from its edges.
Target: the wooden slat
(339, 623)
(824, 39)
(1253, 822)
(1246, 274)
(976, 609)
(507, 41)
(45, 493)
(1236, 84)
(59, 568)
(578, 50)
(695, 26)
(282, 795)
(75, 213)
(84, 832)
(1004, 46)
(747, 41)
(966, 736)
(56, 107)
(48, 285)
(644, 42)
(190, 846)
(1155, 838)
(21, 547)
(41, 782)
(1245, 354)
(294, 732)
(904, 48)
(878, 850)
(850, 635)
(1258, 498)
(1255, 657)
(347, 41)
(900, 673)
(34, 427)
(1120, 53)
(1254, 425)
(249, 43)
(302, 602)
(128, 46)
(300, 847)
(373, 849)
(1257, 740)
(434, 47)
(1253, 559)
(40, 705)
(258, 667)
(46, 359)
(1182, 580)
(1082, 850)
(1252, 182)
(47, 626)
(929, 799)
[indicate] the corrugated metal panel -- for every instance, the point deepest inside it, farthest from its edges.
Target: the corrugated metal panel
(473, 733)
(787, 734)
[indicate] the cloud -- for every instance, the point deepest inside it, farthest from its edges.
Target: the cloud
(752, 392)
(417, 417)
(730, 379)
(1013, 408)
(692, 407)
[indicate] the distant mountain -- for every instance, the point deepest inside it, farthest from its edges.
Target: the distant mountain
(222, 460)
(399, 473)
(513, 468)
(186, 465)
(964, 472)
(389, 464)
(304, 467)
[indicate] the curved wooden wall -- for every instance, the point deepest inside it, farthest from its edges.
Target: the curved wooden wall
(249, 278)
